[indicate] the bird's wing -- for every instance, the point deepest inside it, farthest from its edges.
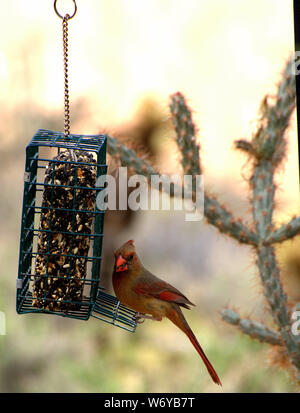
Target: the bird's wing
(162, 291)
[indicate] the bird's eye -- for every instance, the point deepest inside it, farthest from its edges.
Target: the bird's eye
(130, 257)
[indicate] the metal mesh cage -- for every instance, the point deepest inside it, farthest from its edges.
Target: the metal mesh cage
(109, 309)
(62, 230)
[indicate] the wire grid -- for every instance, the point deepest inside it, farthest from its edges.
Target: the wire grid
(48, 144)
(109, 309)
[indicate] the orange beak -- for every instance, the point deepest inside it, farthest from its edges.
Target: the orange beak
(121, 264)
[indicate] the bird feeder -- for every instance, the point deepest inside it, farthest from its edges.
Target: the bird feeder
(62, 231)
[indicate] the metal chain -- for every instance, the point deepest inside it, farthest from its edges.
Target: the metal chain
(66, 77)
(67, 122)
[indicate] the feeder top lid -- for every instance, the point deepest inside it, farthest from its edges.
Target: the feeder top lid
(49, 138)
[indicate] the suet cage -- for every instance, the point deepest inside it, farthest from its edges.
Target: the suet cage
(62, 231)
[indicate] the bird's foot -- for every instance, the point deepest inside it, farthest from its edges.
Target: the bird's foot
(140, 318)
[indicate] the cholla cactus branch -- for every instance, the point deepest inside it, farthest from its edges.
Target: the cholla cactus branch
(285, 232)
(245, 146)
(218, 216)
(277, 300)
(129, 158)
(263, 188)
(269, 142)
(252, 328)
(185, 135)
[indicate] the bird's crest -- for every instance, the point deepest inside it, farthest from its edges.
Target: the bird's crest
(126, 248)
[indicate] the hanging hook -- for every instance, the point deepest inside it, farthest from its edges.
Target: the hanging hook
(67, 15)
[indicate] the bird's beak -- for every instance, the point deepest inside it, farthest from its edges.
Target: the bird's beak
(121, 264)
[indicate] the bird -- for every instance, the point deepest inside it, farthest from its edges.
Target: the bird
(151, 297)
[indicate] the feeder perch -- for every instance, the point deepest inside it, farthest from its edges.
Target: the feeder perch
(62, 231)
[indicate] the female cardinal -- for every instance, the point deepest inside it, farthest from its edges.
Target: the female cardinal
(145, 293)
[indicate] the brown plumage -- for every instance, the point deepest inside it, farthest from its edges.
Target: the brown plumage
(140, 290)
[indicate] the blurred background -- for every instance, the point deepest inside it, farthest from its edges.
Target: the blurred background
(126, 58)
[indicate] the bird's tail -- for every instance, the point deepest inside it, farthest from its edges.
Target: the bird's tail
(177, 317)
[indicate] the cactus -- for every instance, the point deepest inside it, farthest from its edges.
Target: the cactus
(266, 150)
(251, 328)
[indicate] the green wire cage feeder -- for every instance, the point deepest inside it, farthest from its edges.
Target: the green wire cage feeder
(62, 231)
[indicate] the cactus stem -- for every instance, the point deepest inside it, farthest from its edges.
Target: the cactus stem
(252, 328)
